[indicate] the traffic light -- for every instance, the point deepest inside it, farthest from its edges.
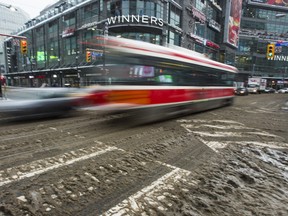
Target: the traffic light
(23, 47)
(270, 51)
(88, 56)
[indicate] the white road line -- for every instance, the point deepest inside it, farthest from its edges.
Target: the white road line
(279, 145)
(216, 145)
(223, 127)
(263, 133)
(234, 134)
(150, 195)
(220, 134)
(41, 166)
(208, 121)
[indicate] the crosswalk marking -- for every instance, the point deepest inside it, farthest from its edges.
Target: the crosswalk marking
(233, 130)
(150, 195)
(47, 164)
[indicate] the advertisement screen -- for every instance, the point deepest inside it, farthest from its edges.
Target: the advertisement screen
(283, 4)
(232, 22)
(40, 56)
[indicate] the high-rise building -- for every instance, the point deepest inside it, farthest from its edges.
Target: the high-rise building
(264, 23)
(11, 19)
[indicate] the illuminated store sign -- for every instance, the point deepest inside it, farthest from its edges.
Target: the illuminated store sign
(197, 38)
(68, 32)
(88, 25)
(205, 42)
(213, 24)
(279, 58)
(199, 14)
(135, 19)
(144, 19)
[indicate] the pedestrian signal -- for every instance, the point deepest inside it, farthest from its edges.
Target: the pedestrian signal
(270, 51)
(23, 47)
(88, 56)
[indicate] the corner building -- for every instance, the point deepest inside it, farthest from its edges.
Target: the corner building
(59, 37)
(263, 23)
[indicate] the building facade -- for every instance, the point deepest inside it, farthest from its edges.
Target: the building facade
(263, 23)
(11, 19)
(59, 38)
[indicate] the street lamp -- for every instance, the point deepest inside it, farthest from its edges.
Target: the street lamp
(78, 74)
(59, 61)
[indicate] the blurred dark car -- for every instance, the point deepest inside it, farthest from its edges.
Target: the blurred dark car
(241, 91)
(269, 90)
(41, 103)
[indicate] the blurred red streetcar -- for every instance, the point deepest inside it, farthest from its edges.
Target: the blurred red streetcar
(158, 82)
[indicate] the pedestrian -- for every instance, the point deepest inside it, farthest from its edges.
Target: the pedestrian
(4, 96)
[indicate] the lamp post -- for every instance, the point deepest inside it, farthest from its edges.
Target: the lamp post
(253, 69)
(284, 74)
(1, 85)
(106, 31)
(78, 72)
(60, 74)
(59, 61)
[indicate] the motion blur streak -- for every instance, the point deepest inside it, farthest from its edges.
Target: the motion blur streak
(33, 103)
(155, 81)
(142, 79)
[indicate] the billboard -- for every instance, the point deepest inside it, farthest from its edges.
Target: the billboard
(281, 4)
(232, 22)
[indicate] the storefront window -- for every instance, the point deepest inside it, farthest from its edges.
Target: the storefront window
(135, 7)
(244, 46)
(175, 14)
(69, 20)
(90, 12)
(159, 10)
(174, 38)
(70, 46)
(125, 7)
(53, 29)
(150, 8)
(40, 48)
(116, 8)
(200, 5)
(146, 37)
(53, 54)
(140, 7)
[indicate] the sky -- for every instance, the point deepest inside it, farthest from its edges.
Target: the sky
(32, 7)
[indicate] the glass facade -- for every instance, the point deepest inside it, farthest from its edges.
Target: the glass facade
(261, 26)
(57, 43)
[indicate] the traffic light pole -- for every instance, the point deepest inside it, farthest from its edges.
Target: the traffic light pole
(13, 36)
(1, 94)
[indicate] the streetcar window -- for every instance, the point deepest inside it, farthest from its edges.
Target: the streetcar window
(126, 74)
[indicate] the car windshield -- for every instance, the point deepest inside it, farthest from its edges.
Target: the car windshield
(252, 86)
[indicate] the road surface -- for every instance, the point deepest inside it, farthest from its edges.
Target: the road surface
(228, 161)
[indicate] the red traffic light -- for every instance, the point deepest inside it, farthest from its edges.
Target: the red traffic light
(88, 56)
(23, 46)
